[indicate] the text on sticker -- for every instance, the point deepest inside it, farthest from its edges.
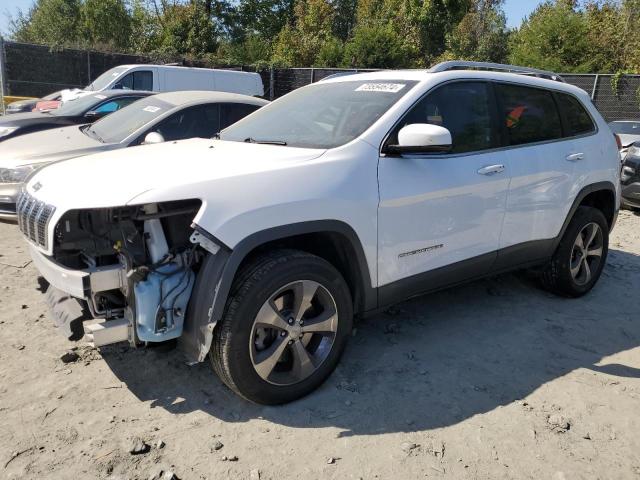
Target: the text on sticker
(381, 87)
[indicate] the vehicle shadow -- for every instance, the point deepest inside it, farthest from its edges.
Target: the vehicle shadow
(429, 362)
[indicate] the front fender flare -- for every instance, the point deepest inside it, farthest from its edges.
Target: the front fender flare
(218, 272)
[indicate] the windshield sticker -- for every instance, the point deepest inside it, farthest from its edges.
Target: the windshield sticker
(101, 97)
(151, 109)
(381, 87)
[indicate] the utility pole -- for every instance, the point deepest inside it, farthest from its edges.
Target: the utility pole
(2, 75)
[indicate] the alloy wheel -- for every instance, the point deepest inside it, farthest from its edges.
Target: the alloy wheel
(586, 253)
(293, 332)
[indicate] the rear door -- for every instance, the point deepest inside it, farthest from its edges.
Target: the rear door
(540, 157)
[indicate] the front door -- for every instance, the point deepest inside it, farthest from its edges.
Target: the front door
(443, 210)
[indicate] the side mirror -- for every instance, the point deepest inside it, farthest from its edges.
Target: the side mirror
(422, 138)
(153, 137)
(117, 86)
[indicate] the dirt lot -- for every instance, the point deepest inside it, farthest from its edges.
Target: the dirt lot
(496, 379)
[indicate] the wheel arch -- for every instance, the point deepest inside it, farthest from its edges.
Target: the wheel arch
(333, 240)
(600, 195)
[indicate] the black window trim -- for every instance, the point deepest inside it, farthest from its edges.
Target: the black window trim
(503, 138)
(566, 128)
(554, 91)
(539, 142)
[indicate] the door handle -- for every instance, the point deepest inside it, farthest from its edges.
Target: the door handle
(574, 157)
(491, 169)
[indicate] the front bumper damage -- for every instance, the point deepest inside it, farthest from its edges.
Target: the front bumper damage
(72, 292)
(68, 287)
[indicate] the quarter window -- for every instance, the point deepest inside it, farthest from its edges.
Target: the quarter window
(463, 108)
(529, 114)
(578, 120)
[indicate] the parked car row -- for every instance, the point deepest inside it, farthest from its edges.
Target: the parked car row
(257, 248)
(151, 119)
(629, 133)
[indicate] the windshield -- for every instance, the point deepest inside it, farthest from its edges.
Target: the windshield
(106, 78)
(119, 125)
(625, 128)
(78, 106)
(322, 115)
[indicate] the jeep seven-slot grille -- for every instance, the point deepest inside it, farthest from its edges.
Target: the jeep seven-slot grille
(33, 218)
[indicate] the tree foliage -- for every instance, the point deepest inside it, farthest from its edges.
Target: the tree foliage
(560, 35)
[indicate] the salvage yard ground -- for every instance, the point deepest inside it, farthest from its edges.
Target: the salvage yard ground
(492, 380)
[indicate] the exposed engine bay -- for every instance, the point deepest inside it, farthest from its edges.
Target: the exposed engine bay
(143, 267)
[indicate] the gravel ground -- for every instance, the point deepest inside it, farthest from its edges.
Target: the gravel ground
(496, 379)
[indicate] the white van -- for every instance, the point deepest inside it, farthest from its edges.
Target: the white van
(165, 78)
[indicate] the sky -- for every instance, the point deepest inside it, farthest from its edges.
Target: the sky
(516, 10)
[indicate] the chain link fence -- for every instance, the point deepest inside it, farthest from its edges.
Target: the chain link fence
(37, 70)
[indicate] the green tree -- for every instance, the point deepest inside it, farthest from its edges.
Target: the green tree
(613, 35)
(481, 35)
(254, 49)
(264, 18)
(554, 37)
(187, 28)
(146, 30)
(376, 47)
(106, 23)
(50, 22)
(345, 18)
(299, 44)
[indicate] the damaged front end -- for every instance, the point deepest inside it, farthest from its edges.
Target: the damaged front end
(132, 268)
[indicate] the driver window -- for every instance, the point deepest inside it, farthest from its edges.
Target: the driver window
(140, 80)
(464, 108)
(184, 124)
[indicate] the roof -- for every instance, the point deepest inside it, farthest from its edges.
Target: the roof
(120, 93)
(185, 97)
(438, 77)
(184, 67)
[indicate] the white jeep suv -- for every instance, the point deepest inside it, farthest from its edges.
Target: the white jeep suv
(258, 248)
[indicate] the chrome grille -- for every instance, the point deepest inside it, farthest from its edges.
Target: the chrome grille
(33, 218)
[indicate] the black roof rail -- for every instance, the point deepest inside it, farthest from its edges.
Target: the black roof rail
(496, 67)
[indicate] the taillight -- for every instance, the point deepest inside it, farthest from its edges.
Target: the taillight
(618, 141)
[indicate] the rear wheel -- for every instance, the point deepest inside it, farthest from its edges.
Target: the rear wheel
(285, 326)
(579, 259)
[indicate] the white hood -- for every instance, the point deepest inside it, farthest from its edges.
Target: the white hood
(49, 146)
(116, 178)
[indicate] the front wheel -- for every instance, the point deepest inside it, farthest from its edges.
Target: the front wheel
(284, 329)
(581, 255)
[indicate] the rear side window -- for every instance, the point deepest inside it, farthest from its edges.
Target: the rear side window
(463, 108)
(529, 114)
(578, 120)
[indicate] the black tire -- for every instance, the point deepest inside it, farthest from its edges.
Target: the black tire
(557, 277)
(230, 353)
